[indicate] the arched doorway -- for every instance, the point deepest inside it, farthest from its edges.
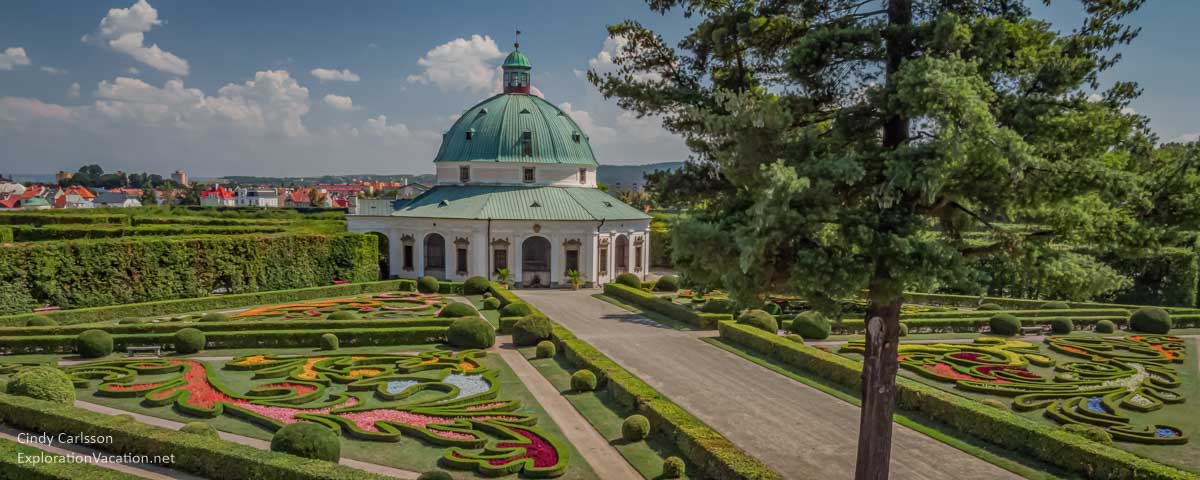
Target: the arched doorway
(385, 269)
(435, 255)
(621, 254)
(535, 262)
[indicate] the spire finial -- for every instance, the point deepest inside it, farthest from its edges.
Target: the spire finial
(517, 43)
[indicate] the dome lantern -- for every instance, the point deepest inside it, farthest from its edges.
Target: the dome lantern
(516, 70)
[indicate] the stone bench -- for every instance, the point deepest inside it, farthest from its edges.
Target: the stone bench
(1032, 331)
(140, 351)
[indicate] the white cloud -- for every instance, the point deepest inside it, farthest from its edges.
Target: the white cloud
(73, 90)
(15, 109)
(132, 71)
(460, 64)
(333, 75)
(124, 29)
(627, 139)
(13, 57)
(1185, 138)
(53, 71)
(339, 102)
(604, 61)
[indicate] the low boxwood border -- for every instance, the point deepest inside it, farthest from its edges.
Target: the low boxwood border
(230, 326)
(1012, 303)
(648, 301)
(12, 467)
(348, 337)
(201, 455)
(1000, 427)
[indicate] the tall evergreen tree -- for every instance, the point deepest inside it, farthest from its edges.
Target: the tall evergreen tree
(846, 145)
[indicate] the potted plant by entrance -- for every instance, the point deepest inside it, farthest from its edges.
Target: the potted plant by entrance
(504, 277)
(576, 278)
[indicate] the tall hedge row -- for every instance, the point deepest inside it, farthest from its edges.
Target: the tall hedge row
(6, 234)
(26, 233)
(41, 218)
(89, 273)
(1167, 277)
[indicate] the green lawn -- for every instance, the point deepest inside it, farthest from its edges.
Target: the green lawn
(492, 316)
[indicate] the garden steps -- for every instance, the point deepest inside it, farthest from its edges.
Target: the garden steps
(142, 470)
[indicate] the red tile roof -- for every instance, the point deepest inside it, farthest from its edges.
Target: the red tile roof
(220, 191)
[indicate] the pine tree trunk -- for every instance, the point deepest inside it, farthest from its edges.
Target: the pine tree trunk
(878, 387)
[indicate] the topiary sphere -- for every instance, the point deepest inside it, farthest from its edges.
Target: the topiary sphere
(41, 321)
(491, 303)
(989, 307)
(516, 309)
(435, 475)
(546, 349)
(200, 428)
(773, 309)
(583, 381)
(903, 330)
(342, 315)
(759, 319)
(667, 283)
(189, 340)
(456, 309)
(1090, 432)
(1105, 326)
(476, 286)
(214, 317)
(810, 325)
(329, 341)
(1061, 325)
(1004, 324)
(471, 332)
(635, 428)
(717, 305)
(629, 280)
(1150, 320)
(428, 284)
(531, 330)
(1055, 306)
(309, 440)
(43, 383)
(673, 467)
(94, 344)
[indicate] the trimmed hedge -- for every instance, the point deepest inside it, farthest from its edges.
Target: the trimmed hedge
(1055, 306)
(427, 284)
(973, 301)
(1105, 326)
(25, 233)
(6, 234)
(629, 280)
(476, 285)
(43, 383)
(546, 349)
(189, 340)
(645, 300)
(635, 428)
(329, 341)
(211, 458)
(531, 330)
(760, 320)
(491, 304)
(456, 309)
(1001, 427)
(230, 326)
(1061, 325)
(342, 315)
(311, 338)
(974, 325)
(471, 332)
(64, 274)
(21, 218)
(1004, 324)
(810, 326)
(11, 468)
(200, 428)
(583, 381)
(167, 307)
(667, 283)
(308, 440)
(94, 344)
(1150, 320)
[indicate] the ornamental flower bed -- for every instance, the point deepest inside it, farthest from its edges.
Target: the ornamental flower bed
(383, 305)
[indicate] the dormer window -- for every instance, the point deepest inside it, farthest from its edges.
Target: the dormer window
(527, 144)
(464, 173)
(470, 134)
(576, 137)
(583, 175)
(528, 175)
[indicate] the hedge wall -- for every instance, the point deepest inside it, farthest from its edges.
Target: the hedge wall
(24, 218)
(1000, 427)
(646, 300)
(26, 233)
(971, 301)
(12, 466)
(348, 337)
(204, 456)
(6, 234)
(206, 221)
(230, 326)
(89, 273)
(1167, 277)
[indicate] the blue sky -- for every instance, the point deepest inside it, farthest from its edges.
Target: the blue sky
(228, 87)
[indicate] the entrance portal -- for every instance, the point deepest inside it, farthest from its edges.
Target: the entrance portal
(535, 262)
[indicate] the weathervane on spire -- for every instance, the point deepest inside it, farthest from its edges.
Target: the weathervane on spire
(517, 43)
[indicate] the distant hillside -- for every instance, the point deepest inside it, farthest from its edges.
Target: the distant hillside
(327, 179)
(626, 175)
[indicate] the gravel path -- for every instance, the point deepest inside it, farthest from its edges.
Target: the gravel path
(799, 431)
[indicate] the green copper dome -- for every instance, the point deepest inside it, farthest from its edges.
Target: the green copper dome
(516, 59)
(516, 128)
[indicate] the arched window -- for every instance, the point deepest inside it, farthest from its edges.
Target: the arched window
(622, 253)
(535, 262)
(435, 255)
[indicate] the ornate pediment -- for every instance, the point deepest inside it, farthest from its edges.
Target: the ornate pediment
(501, 242)
(461, 242)
(573, 243)
(407, 239)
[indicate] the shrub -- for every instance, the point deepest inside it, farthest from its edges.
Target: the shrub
(329, 341)
(189, 340)
(989, 307)
(673, 467)
(200, 428)
(717, 305)
(456, 309)
(583, 381)
(516, 309)
(491, 303)
(214, 317)
(667, 283)
(530, 331)
(343, 315)
(476, 285)
(1004, 324)
(1061, 325)
(94, 344)
(487, 294)
(795, 338)
(427, 284)
(1106, 326)
(1150, 320)
(773, 309)
(635, 428)
(1090, 432)
(131, 321)
(903, 330)
(1055, 306)
(759, 319)
(629, 280)
(435, 475)
(810, 325)
(308, 440)
(43, 383)
(471, 332)
(41, 321)
(546, 349)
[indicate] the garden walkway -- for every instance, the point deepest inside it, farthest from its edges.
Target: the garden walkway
(798, 430)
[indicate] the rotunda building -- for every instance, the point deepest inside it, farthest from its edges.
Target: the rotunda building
(516, 189)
